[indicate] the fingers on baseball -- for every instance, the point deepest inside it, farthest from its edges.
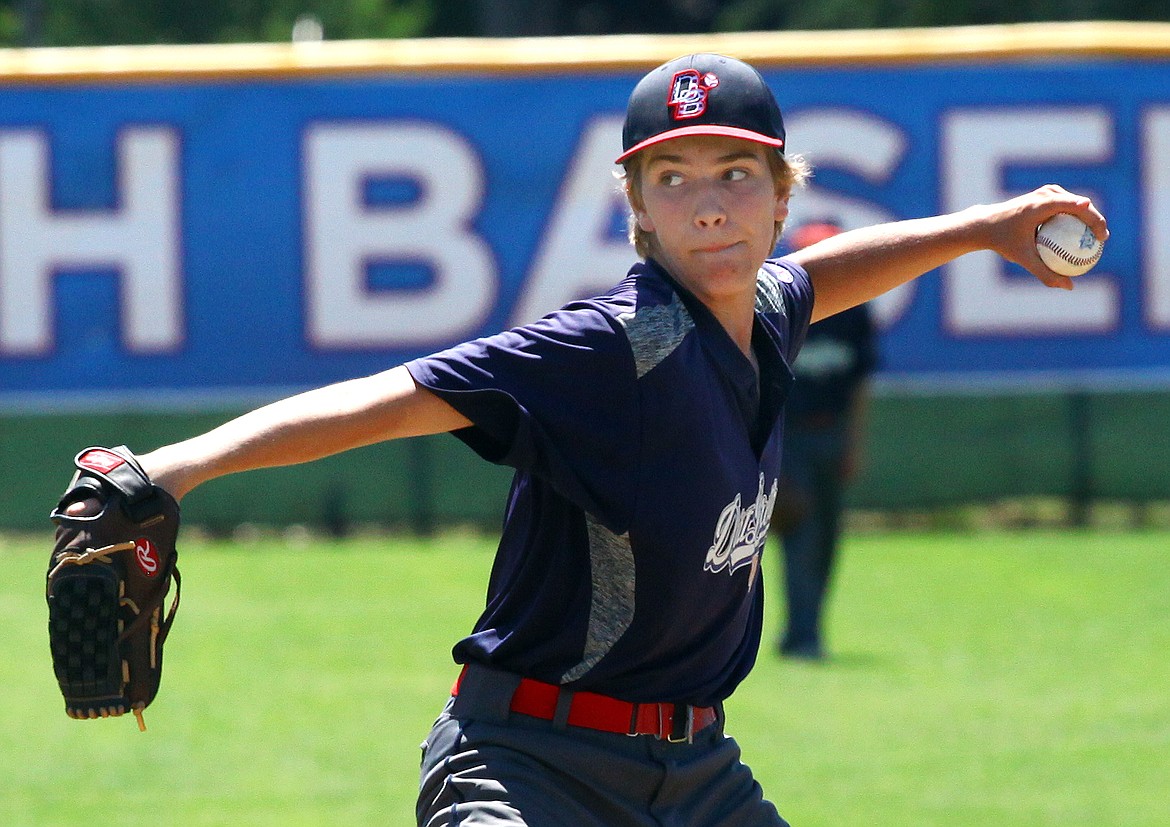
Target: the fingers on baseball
(1061, 200)
(1032, 262)
(1049, 277)
(1097, 224)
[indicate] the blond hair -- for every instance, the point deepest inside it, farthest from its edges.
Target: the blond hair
(788, 174)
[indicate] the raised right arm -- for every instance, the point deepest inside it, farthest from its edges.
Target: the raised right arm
(856, 266)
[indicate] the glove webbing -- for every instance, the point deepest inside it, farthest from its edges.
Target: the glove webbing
(159, 631)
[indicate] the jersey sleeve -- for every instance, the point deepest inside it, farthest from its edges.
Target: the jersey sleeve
(785, 291)
(556, 398)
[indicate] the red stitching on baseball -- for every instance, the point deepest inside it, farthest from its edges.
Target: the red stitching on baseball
(1069, 257)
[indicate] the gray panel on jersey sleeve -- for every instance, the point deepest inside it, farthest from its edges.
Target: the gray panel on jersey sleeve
(611, 563)
(769, 296)
(654, 332)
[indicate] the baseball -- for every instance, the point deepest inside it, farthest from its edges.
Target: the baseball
(1067, 246)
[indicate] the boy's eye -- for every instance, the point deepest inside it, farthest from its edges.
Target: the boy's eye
(736, 174)
(671, 179)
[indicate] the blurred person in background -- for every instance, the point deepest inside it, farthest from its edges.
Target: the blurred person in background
(823, 440)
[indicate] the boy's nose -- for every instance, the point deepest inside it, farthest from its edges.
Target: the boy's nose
(709, 211)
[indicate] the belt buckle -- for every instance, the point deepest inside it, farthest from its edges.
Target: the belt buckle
(688, 734)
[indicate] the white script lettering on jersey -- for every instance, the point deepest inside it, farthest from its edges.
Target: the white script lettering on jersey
(740, 532)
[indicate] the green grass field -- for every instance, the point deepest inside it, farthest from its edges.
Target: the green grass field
(1007, 679)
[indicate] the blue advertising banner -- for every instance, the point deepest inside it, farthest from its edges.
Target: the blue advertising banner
(210, 238)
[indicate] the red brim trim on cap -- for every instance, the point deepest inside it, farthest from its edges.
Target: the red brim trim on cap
(703, 129)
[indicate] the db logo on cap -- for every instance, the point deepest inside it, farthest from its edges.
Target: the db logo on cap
(146, 556)
(688, 93)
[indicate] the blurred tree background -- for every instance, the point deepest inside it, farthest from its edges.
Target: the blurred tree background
(110, 22)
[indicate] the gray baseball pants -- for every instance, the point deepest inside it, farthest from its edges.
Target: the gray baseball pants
(485, 765)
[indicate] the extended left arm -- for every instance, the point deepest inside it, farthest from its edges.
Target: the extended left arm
(856, 266)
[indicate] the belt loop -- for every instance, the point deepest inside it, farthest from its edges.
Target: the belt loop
(564, 704)
(688, 725)
(635, 708)
(485, 694)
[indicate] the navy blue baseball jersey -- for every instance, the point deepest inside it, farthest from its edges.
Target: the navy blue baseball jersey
(647, 457)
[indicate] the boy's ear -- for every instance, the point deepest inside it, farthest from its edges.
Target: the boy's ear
(781, 214)
(634, 198)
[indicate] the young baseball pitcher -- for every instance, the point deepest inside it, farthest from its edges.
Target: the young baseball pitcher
(644, 426)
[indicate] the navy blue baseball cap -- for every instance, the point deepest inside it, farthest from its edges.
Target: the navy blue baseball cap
(701, 94)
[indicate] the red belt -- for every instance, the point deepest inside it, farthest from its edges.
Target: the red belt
(666, 721)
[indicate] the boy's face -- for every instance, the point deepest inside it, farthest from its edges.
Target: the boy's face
(711, 203)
